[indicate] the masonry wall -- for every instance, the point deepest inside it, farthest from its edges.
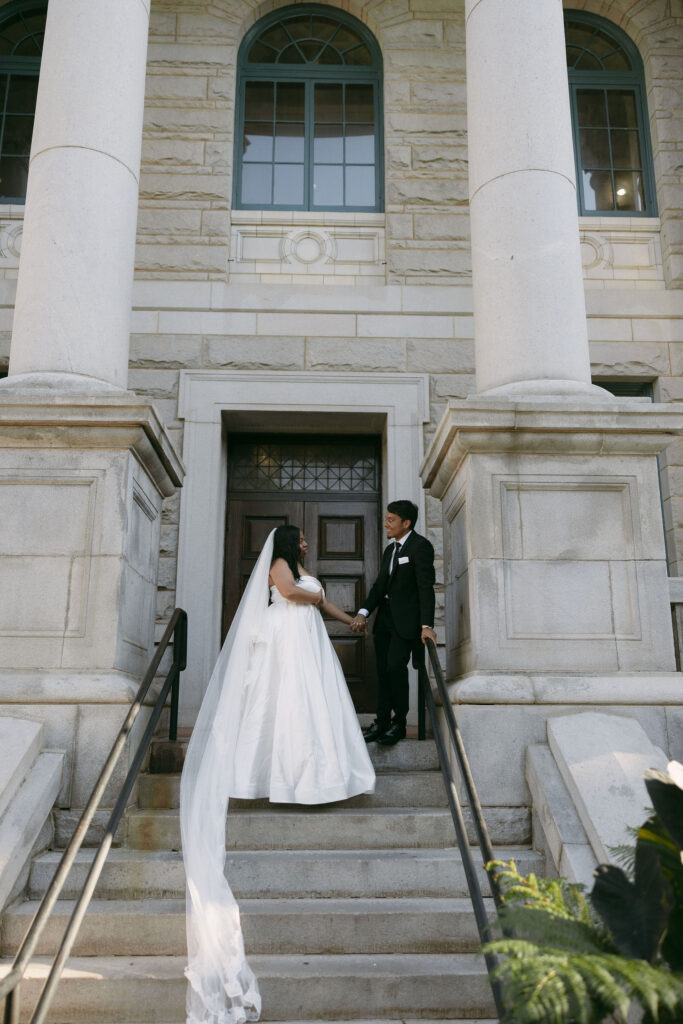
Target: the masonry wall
(387, 292)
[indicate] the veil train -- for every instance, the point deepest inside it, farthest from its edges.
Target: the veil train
(222, 988)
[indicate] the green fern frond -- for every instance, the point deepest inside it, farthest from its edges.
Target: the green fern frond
(535, 924)
(555, 896)
(556, 985)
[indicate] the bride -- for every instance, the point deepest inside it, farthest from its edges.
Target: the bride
(277, 721)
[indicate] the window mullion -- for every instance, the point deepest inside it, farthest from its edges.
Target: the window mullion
(611, 154)
(309, 114)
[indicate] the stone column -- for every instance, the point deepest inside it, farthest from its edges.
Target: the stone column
(529, 309)
(72, 314)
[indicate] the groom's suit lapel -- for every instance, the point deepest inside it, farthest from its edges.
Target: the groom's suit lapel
(404, 552)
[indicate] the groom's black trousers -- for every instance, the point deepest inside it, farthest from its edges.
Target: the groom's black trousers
(393, 654)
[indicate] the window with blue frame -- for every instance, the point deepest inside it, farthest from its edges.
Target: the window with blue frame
(308, 125)
(609, 117)
(22, 27)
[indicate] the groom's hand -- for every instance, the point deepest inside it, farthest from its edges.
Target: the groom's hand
(359, 624)
(428, 634)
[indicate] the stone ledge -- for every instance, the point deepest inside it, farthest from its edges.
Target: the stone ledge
(619, 689)
(101, 421)
(481, 425)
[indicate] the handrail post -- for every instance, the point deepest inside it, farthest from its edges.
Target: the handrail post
(180, 663)
(10, 985)
(455, 807)
(421, 706)
(11, 1015)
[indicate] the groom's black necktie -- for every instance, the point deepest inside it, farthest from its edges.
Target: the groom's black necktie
(394, 567)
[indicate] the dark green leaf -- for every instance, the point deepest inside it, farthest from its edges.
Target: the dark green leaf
(636, 913)
(667, 798)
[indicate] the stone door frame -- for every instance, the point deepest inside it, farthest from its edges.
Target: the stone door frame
(341, 403)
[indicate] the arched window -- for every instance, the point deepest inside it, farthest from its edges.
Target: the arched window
(308, 133)
(609, 118)
(22, 26)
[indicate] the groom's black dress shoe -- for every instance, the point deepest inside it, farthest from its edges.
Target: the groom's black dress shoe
(392, 735)
(373, 732)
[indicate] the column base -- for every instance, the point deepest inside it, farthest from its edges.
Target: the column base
(543, 389)
(553, 536)
(82, 480)
(61, 383)
(501, 714)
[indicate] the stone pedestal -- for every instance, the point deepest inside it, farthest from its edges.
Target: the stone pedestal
(81, 485)
(555, 571)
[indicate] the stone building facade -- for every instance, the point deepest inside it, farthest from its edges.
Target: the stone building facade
(320, 323)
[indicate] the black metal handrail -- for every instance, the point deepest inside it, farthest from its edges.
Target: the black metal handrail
(10, 984)
(426, 695)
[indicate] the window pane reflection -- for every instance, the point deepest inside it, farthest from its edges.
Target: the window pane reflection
(289, 143)
(288, 185)
(290, 101)
(630, 193)
(622, 108)
(328, 146)
(597, 190)
(258, 101)
(328, 185)
(625, 149)
(13, 177)
(23, 90)
(592, 108)
(594, 147)
(258, 142)
(360, 103)
(360, 144)
(360, 186)
(329, 103)
(257, 185)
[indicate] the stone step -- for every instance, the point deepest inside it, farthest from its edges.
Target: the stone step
(20, 745)
(145, 989)
(26, 824)
(329, 828)
(393, 789)
(380, 1020)
(141, 927)
(409, 755)
(131, 874)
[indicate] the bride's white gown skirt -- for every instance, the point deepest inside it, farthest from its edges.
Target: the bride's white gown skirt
(298, 739)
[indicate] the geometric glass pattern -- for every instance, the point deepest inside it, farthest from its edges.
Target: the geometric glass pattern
(303, 466)
(309, 39)
(308, 119)
(611, 141)
(590, 48)
(22, 27)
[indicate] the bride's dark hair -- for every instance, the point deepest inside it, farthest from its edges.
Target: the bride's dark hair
(286, 544)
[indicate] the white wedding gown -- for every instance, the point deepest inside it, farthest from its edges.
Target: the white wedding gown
(299, 740)
(276, 720)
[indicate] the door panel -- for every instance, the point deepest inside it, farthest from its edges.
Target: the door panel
(343, 545)
(329, 488)
(248, 524)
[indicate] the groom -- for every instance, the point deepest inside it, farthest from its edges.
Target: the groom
(403, 593)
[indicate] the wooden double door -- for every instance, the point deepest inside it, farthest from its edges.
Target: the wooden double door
(329, 488)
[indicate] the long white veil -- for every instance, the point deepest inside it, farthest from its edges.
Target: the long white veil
(222, 988)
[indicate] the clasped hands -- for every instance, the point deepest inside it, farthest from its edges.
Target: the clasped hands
(360, 625)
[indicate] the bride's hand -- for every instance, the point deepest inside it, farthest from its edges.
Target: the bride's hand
(321, 599)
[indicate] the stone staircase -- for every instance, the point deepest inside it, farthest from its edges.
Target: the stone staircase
(350, 911)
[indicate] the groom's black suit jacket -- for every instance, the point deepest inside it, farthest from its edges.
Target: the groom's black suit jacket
(410, 588)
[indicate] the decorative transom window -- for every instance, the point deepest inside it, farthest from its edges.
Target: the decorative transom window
(609, 118)
(308, 132)
(22, 26)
